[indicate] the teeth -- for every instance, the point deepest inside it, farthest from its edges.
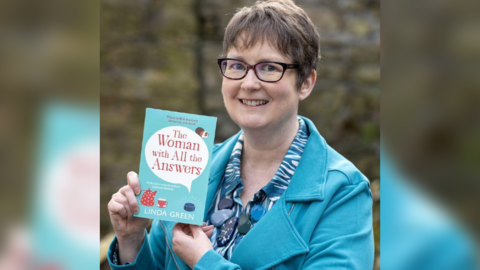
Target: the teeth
(254, 102)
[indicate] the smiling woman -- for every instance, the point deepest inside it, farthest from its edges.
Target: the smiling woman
(278, 196)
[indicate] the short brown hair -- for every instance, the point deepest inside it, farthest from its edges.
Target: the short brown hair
(283, 25)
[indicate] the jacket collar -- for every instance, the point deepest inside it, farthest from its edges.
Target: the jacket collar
(308, 184)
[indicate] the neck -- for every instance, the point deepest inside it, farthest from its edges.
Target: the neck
(269, 146)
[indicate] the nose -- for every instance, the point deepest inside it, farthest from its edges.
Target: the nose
(250, 82)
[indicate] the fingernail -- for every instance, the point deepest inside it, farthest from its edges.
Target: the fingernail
(137, 190)
(135, 210)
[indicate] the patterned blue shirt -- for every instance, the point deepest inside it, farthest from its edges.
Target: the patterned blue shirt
(231, 186)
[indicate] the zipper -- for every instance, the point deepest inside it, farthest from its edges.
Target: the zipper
(168, 245)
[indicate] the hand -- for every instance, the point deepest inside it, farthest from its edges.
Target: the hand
(130, 230)
(191, 242)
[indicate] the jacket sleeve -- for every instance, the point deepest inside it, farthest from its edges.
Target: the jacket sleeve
(343, 237)
(213, 260)
(154, 243)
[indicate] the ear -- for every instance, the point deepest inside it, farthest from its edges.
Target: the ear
(307, 85)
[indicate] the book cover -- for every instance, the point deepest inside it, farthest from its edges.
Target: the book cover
(175, 166)
(64, 203)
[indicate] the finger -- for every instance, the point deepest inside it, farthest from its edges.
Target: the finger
(115, 208)
(196, 230)
(133, 182)
(178, 229)
(187, 231)
(209, 232)
(132, 200)
(206, 228)
(204, 224)
(121, 198)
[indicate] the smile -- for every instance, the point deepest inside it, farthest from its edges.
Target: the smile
(253, 103)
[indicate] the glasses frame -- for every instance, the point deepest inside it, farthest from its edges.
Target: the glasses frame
(253, 67)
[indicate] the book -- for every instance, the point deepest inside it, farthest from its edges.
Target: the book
(175, 166)
(64, 206)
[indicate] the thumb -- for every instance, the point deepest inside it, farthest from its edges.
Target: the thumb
(133, 182)
(177, 229)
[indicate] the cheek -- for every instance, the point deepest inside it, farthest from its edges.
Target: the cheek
(227, 95)
(229, 89)
(224, 92)
(286, 92)
(289, 98)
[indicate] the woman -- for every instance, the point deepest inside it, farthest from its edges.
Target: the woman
(297, 204)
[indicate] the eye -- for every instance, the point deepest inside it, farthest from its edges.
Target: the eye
(236, 66)
(270, 67)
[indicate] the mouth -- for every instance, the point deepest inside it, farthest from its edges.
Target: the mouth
(253, 102)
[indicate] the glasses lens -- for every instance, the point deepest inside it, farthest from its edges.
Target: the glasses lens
(233, 69)
(269, 71)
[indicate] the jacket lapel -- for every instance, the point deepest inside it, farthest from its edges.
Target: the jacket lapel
(262, 248)
(308, 181)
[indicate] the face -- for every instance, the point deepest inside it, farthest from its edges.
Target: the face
(254, 104)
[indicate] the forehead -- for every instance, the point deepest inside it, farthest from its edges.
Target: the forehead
(259, 51)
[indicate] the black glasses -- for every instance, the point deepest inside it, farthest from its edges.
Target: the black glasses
(265, 71)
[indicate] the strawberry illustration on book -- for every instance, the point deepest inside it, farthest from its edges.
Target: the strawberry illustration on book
(148, 197)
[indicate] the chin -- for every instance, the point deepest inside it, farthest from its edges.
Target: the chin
(251, 122)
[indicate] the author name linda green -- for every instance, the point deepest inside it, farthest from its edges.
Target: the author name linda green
(172, 214)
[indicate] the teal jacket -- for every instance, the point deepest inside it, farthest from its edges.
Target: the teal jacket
(322, 221)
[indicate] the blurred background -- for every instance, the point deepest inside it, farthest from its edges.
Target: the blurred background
(49, 134)
(162, 54)
(430, 134)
